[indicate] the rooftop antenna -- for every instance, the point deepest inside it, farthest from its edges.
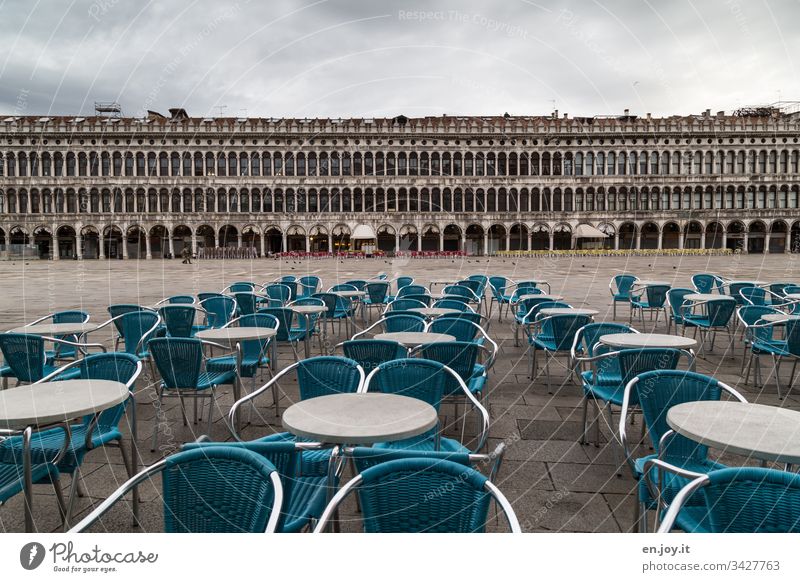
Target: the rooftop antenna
(220, 109)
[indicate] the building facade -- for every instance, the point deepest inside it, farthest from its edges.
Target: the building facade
(117, 187)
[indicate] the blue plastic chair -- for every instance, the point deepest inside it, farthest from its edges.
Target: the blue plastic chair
(412, 289)
(279, 292)
(498, 285)
(137, 328)
(463, 358)
(395, 322)
(307, 286)
(179, 320)
(460, 503)
(208, 295)
(359, 284)
(737, 500)
(778, 350)
(93, 432)
(246, 302)
(652, 298)
(210, 489)
(343, 287)
(620, 289)
(26, 359)
(676, 300)
(453, 304)
(586, 345)
(755, 328)
(707, 283)
(181, 363)
(177, 300)
(718, 316)
(240, 287)
(425, 380)
(288, 331)
(338, 308)
(655, 393)
(376, 297)
(221, 309)
(369, 353)
(405, 304)
(255, 356)
(735, 290)
(554, 335)
(304, 496)
(64, 351)
(427, 300)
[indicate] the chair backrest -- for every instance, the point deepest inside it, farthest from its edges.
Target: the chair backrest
(278, 291)
(482, 279)
(342, 287)
(288, 279)
(623, 284)
(136, 329)
(404, 281)
(791, 289)
(217, 489)
(117, 367)
(525, 289)
(72, 316)
(208, 295)
(705, 282)
(472, 316)
(753, 295)
(459, 356)
(405, 304)
(310, 285)
(588, 337)
(549, 304)
(412, 289)
(371, 352)
(334, 303)
(220, 308)
(525, 305)
(179, 360)
(472, 284)
(413, 377)
(779, 288)
(366, 457)
(241, 287)
(750, 500)
(498, 286)
(458, 501)
(426, 299)
(324, 375)
(636, 361)
(359, 284)
(561, 329)
(735, 291)
(180, 300)
(720, 311)
(24, 354)
(120, 308)
(460, 291)
(656, 295)
(675, 298)
(178, 319)
(256, 348)
(793, 337)
(463, 330)
(377, 292)
(246, 302)
(751, 315)
(402, 322)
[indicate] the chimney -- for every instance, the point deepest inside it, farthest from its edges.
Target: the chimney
(707, 113)
(720, 114)
(626, 112)
(566, 116)
(649, 117)
(555, 114)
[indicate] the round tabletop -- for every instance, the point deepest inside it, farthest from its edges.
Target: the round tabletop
(415, 338)
(359, 419)
(534, 281)
(234, 334)
(648, 283)
(56, 328)
(793, 295)
(647, 340)
(433, 311)
(773, 317)
(568, 311)
(307, 309)
(349, 293)
(542, 296)
(769, 433)
(52, 402)
(741, 281)
(706, 297)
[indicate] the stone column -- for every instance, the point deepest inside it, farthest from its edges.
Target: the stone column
(54, 251)
(552, 245)
(661, 240)
(284, 248)
(724, 239)
(485, 243)
(193, 248)
(101, 252)
(170, 246)
(330, 244)
(147, 253)
(124, 243)
(441, 241)
(616, 241)
(397, 242)
(262, 242)
(680, 239)
(788, 244)
(703, 239)
(638, 238)
(508, 240)
(745, 241)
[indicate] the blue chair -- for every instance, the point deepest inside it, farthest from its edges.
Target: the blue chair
(737, 500)
(313, 318)
(64, 351)
(401, 282)
(338, 308)
(498, 285)
(405, 304)
(620, 289)
(359, 284)
(211, 489)
(778, 350)
(412, 289)
(427, 300)
(460, 504)
(462, 291)
(208, 295)
(651, 298)
(177, 300)
(114, 311)
(464, 329)
(586, 345)
(308, 285)
(137, 328)
(254, 356)
(220, 310)
(735, 290)
(750, 318)
(26, 359)
(676, 300)
(391, 323)
(240, 287)
(93, 432)
(717, 316)
(369, 353)
(554, 335)
(304, 496)
(288, 331)
(279, 292)
(12, 481)
(376, 297)
(453, 304)
(524, 313)
(179, 320)
(181, 363)
(246, 302)
(707, 283)
(289, 281)
(424, 380)
(603, 389)
(342, 287)
(654, 393)
(463, 358)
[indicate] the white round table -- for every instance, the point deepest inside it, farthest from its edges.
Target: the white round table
(778, 317)
(768, 433)
(649, 283)
(350, 294)
(359, 419)
(707, 297)
(568, 311)
(545, 297)
(647, 340)
(307, 311)
(412, 339)
(56, 329)
(433, 312)
(50, 403)
(795, 296)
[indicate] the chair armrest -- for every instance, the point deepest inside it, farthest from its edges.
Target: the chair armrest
(677, 504)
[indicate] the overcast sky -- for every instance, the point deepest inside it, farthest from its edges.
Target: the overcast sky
(343, 58)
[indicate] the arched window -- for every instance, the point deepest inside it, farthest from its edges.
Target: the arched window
(589, 164)
(301, 164)
(579, 164)
(244, 164)
(611, 163)
(233, 169)
(601, 164)
(654, 163)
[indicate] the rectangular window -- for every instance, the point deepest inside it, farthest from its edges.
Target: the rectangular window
(369, 167)
(335, 166)
(301, 165)
(176, 166)
(468, 166)
(413, 166)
